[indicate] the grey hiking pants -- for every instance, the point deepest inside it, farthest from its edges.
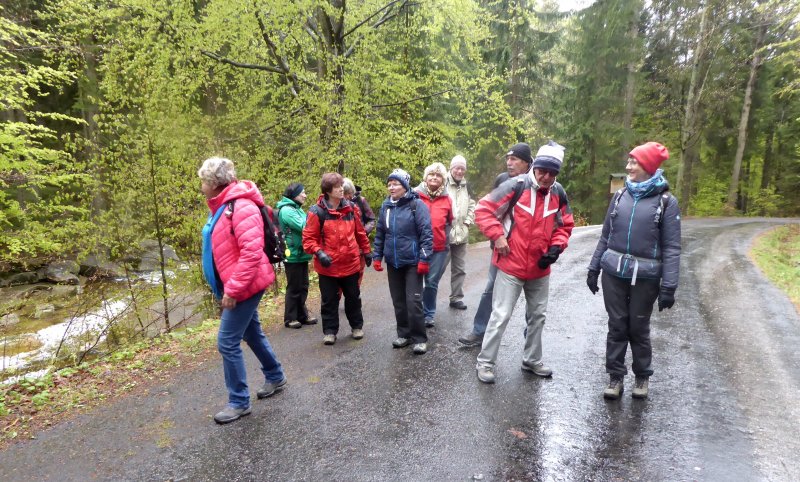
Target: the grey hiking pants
(507, 289)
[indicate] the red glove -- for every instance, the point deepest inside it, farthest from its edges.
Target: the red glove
(423, 267)
(377, 265)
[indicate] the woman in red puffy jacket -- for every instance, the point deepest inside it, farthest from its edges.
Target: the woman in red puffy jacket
(433, 193)
(236, 268)
(335, 236)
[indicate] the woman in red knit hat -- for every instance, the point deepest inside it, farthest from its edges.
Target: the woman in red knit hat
(639, 255)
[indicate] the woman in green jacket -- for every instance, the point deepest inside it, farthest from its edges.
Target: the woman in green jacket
(292, 220)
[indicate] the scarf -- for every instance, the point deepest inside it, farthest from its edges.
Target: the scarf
(643, 189)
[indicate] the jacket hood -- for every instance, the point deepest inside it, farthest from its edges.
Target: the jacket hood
(409, 196)
(345, 206)
(237, 190)
(285, 201)
(422, 190)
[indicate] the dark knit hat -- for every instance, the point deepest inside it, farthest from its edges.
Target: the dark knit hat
(550, 156)
(293, 190)
(402, 177)
(650, 155)
(521, 150)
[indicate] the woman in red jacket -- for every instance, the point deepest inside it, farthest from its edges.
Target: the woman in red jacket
(236, 268)
(336, 237)
(433, 193)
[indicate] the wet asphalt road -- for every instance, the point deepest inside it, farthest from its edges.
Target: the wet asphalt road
(723, 402)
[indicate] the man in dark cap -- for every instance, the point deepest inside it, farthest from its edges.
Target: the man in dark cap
(518, 161)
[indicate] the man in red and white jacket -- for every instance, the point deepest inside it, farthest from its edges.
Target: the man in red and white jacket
(528, 237)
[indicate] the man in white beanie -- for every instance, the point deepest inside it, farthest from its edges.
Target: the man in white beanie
(529, 220)
(463, 216)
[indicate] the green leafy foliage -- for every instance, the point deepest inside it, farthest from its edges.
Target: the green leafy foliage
(107, 110)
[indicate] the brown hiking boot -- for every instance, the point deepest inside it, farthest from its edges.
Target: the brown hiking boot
(614, 389)
(640, 389)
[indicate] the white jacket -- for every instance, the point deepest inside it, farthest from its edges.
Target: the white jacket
(463, 210)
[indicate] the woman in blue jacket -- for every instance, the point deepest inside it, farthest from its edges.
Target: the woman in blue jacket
(639, 254)
(404, 237)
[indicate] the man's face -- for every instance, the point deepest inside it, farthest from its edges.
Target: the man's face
(516, 166)
(458, 173)
(545, 177)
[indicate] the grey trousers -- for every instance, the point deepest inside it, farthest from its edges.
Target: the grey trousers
(458, 270)
(507, 289)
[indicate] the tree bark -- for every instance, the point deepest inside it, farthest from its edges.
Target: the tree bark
(630, 88)
(689, 127)
(733, 188)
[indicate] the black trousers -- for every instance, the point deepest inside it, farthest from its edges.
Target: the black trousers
(296, 292)
(629, 309)
(405, 287)
(329, 292)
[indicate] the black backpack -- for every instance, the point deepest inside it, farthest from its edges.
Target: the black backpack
(274, 244)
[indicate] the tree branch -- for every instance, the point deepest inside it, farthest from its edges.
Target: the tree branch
(422, 97)
(240, 65)
(388, 6)
(291, 78)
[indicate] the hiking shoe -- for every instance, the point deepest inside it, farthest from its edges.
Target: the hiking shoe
(614, 389)
(537, 369)
(329, 339)
(640, 387)
(485, 374)
(310, 321)
(293, 324)
(459, 305)
(429, 323)
(270, 389)
(471, 339)
(420, 348)
(230, 414)
(401, 342)
(357, 334)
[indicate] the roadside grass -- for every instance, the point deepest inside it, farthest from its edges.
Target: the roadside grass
(777, 253)
(31, 405)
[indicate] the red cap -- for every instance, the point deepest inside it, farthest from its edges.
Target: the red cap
(650, 155)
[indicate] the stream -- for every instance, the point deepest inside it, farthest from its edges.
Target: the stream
(39, 319)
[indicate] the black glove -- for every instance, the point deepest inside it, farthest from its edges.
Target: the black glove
(368, 259)
(324, 259)
(550, 257)
(666, 298)
(591, 281)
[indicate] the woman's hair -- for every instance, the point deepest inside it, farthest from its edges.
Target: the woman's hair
(348, 186)
(217, 171)
(329, 181)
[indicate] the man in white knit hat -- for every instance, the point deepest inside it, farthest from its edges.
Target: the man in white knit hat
(529, 220)
(463, 217)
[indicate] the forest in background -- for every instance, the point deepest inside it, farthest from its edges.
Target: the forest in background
(108, 107)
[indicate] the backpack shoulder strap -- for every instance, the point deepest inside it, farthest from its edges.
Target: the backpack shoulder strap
(662, 206)
(519, 188)
(322, 215)
(617, 196)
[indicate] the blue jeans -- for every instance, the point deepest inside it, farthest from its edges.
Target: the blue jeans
(485, 306)
(437, 263)
(241, 323)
